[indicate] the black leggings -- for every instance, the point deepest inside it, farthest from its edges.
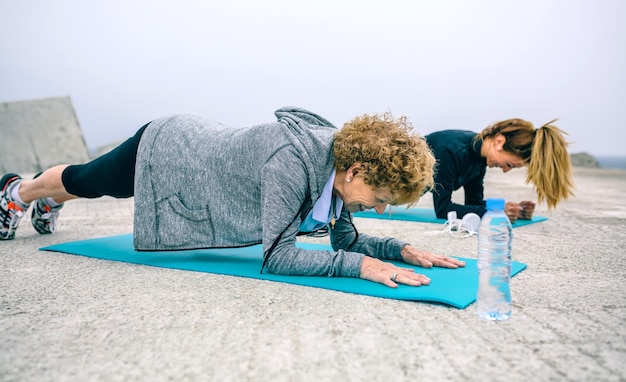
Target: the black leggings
(111, 174)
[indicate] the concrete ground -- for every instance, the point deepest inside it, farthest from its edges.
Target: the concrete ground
(72, 318)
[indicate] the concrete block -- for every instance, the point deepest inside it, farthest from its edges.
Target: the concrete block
(38, 134)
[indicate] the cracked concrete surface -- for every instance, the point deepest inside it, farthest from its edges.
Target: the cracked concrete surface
(72, 318)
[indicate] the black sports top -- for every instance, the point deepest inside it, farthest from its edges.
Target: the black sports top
(459, 164)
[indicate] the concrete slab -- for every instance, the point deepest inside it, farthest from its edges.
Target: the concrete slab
(37, 134)
(71, 318)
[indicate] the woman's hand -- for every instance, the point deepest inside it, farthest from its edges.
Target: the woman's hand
(391, 275)
(512, 210)
(528, 209)
(425, 259)
(388, 274)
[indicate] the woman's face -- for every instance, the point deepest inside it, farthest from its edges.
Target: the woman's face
(358, 196)
(496, 156)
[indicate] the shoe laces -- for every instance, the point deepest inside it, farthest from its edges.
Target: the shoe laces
(14, 215)
(49, 215)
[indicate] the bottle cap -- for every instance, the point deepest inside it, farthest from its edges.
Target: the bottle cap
(495, 204)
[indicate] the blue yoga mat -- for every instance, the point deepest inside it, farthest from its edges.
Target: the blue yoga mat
(455, 287)
(425, 215)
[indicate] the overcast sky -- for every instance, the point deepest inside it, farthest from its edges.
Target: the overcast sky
(445, 64)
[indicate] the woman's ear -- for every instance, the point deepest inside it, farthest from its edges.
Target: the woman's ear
(498, 142)
(353, 170)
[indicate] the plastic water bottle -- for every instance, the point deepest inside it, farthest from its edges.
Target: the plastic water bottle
(495, 236)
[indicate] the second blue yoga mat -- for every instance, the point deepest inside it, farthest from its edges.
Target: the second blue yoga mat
(425, 215)
(454, 287)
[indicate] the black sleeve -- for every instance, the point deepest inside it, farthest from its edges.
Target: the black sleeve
(442, 199)
(474, 195)
(445, 178)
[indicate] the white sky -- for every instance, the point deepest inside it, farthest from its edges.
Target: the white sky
(444, 63)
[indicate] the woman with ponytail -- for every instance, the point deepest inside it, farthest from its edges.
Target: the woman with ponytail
(463, 157)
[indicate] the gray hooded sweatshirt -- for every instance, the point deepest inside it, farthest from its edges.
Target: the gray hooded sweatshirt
(201, 184)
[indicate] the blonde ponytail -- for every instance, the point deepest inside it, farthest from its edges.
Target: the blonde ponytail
(550, 168)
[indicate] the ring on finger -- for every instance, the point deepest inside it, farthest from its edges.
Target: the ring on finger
(393, 277)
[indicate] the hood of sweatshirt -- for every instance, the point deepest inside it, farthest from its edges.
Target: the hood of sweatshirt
(312, 135)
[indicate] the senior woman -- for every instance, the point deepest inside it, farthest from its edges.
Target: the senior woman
(201, 184)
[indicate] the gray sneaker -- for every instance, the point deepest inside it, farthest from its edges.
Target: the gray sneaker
(11, 212)
(44, 217)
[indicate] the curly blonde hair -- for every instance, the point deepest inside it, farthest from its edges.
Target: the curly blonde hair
(390, 155)
(544, 150)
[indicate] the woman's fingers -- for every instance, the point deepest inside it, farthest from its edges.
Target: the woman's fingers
(427, 259)
(512, 210)
(448, 262)
(407, 278)
(390, 275)
(528, 208)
